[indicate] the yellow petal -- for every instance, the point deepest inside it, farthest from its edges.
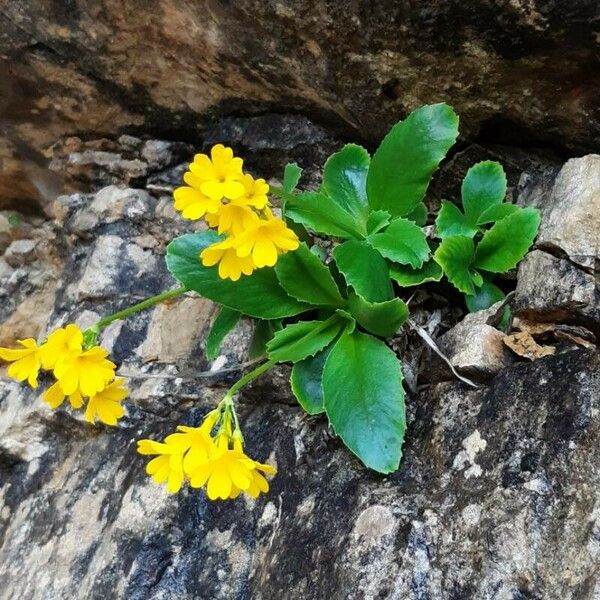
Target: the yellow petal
(264, 254)
(219, 485)
(54, 396)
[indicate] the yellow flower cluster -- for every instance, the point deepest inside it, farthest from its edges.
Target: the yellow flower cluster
(217, 461)
(80, 373)
(236, 205)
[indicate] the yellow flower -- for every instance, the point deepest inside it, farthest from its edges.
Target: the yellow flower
(54, 397)
(229, 471)
(233, 219)
(220, 175)
(255, 192)
(26, 361)
(89, 372)
(191, 202)
(60, 345)
(265, 240)
(180, 453)
(231, 266)
(106, 405)
(166, 467)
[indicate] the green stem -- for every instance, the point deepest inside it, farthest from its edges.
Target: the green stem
(246, 379)
(126, 312)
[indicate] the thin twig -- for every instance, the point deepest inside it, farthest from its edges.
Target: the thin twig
(429, 341)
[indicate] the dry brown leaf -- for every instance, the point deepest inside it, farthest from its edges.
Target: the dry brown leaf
(524, 345)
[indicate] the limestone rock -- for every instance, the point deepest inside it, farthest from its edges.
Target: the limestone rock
(474, 347)
(550, 288)
(20, 252)
(496, 497)
(571, 213)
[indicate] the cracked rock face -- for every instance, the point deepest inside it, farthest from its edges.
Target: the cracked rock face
(559, 280)
(497, 496)
(515, 70)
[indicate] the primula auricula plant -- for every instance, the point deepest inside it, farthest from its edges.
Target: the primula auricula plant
(326, 313)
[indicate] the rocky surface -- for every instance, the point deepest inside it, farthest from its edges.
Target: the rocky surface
(559, 280)
(475, 346)
(497, 496)
(517, 72)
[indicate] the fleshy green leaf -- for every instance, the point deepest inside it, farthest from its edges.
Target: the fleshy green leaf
(455, 255)
(377, 220)
(401, 168)
(295, 342)
(263, 333)
(225, 321)
(364, 399)
(379, 318)
(364, 269)
(507, 242)
(419, 214)
(403, 242)
(484, 186)
(323, 215)
(406, 276)
(257, 295)
(307, 382)
(345, 180)
(496, 213)
(450, 221)
(487, 295)
(484, 297)
(306, 278)
(291, 177)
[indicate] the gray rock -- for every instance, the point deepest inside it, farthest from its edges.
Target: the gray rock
(496, 497)
(571, 213)
(20, 252)
(485, 505)
(160, 154)
(550, 288)
(474, 347)
(517, 72)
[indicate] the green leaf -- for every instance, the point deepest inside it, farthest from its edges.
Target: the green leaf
(257, 295)
(306, 278)
(496, 213)
(484, 186)
(225, 321)
(450, 221)
(323, 215)
(477, 278)
(455, 255)
(295, 342)
(403, 242)
(307, 381)
(487, 295)
(347, 318)
(402, 167)
(364, 269)
(379, 318)
(419, 214)
(377, 220)
(263, 333)
(345, 180)
(291, 177)
(507, 242)
(406, 276)
(364, 399)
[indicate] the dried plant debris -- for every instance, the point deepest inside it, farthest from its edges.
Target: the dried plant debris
(523, 344)
(536, 340)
